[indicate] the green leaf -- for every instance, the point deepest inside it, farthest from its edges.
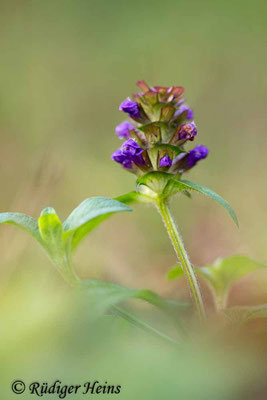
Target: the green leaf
(22, 221)
(175, 186)
(51, 231)
(208, 192)
(90, 213)
(225, 272)
(175, 272)
(222, 274)
(110, 294)
(243, 314)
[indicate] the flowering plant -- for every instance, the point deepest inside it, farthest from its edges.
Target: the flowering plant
(155, 150)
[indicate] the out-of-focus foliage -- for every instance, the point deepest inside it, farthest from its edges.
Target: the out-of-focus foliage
(225, 272)
(221, 276)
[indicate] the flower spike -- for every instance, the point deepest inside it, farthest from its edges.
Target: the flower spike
(162, 127)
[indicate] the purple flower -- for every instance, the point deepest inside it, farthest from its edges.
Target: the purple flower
(185, 161)
(129, 153)
(121, 158)
(187, 131)
(131, 149)
(123, 130)
(198, 153)
(165, 161)
(183, 108)
(131, 108)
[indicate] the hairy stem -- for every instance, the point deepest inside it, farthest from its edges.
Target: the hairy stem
(183, 257)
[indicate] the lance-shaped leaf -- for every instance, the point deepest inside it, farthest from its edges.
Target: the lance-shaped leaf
(188, 185)
(22, 221)
(109, 294)
(90, 213)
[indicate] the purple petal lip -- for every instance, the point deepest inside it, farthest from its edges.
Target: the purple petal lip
(123, 130)
(129, 153)
(130, 107)
(198, 153)
(120, 158)
(165, 162)
(131, 149)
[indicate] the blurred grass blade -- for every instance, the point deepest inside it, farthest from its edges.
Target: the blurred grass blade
(22, 221)
(90, 213)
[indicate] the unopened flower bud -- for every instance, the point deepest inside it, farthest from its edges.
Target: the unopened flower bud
(198, 153)
(131, 108)
(187, 131)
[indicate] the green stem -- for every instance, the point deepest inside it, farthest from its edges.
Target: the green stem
(66, 269)
(182, 255)
(69, 275)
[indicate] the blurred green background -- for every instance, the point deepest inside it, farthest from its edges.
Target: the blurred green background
(65, 67)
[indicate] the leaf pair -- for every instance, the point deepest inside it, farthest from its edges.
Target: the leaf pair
(60, 239)
(164, 185)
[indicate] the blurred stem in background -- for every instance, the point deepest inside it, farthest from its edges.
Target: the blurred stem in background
(177, 243)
